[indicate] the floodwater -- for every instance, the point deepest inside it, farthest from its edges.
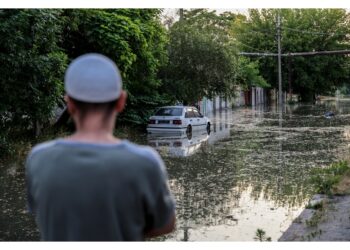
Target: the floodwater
(251, 172)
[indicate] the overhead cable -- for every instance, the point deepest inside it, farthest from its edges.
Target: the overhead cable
(258, 50)
(313, 32)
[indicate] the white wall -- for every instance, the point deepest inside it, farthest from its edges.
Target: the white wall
(258, 97)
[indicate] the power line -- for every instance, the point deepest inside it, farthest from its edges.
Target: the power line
(313, 53)
(258, 50)
(313, 32)
(319, 53)
(270, 32)
(255, 32)
(257, 54)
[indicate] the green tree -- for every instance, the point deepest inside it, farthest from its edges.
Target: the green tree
(248, 74)
(135, 40)
(201, 58)
(260, 235)
(32, 66)
(302, 30)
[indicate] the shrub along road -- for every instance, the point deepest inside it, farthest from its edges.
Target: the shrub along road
(327, 216)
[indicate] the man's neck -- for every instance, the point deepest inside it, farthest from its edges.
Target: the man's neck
(93, 137)
(93, 130)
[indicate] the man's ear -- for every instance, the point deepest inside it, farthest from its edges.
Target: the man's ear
(70, 105)
(121, 102)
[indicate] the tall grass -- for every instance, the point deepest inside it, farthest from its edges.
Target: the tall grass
(325, 179)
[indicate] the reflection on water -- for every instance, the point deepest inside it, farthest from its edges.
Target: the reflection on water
(180, 145)
(250, 172)
(254, 170)
(15, 222)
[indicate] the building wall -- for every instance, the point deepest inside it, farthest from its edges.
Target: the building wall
(259, 96)
(255, 96)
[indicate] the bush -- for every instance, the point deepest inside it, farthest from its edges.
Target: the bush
(4, 147)
(32, 65)
(325, 179)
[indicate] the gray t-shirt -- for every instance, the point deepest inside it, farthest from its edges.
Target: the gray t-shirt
(92, 192)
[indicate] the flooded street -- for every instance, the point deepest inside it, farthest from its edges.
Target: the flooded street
(251, 172)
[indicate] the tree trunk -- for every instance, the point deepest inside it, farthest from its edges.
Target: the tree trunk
(37, 128)
(307, 95)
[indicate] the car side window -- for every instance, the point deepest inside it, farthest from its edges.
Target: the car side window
(189, 113)
(196, 113)
(200, 114)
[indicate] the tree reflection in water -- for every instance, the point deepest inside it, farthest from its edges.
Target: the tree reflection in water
(264, 155)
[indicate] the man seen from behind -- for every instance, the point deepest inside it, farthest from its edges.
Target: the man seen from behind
(92, 186)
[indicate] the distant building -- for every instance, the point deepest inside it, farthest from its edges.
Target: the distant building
(253, 97)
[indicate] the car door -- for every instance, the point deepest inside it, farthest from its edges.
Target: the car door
(199, 118)
(190, 117)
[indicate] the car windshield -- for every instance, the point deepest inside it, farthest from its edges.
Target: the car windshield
(169, 112)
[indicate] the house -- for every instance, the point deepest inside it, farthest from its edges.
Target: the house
(255, 96)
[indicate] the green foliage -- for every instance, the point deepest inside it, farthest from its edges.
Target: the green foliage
(248, 74)
(36, 44)
(5, 147)
(324, 179)
(316, 218)
(260, 235)
(303, 30)
(312, 235)
(134, 39)
(197, 57)
(143, 107)
(344, 90)
(318, 205)
(201, 58)
(32, 65)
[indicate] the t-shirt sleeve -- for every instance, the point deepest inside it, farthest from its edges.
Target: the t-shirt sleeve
(29, 173)
(160, 204)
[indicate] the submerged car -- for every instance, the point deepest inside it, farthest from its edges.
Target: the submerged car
(183, 119)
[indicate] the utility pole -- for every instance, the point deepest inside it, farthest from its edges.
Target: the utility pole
(181, 14)
(290, 78)
(280, 101)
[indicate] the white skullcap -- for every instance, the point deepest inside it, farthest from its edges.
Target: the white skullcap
(93, 78)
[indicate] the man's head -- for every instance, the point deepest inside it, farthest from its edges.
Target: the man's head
(93, 88)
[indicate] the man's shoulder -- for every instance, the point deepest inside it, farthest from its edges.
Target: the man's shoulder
(41, 147)
(145, 152)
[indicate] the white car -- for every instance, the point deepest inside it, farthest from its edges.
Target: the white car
(178, 145)
(183, 119)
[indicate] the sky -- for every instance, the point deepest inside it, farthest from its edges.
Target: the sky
(175, 4)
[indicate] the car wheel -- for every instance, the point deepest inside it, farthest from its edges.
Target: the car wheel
(208, 128)
(189, 135)
(189, 129)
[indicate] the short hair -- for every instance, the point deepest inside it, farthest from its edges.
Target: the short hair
(86, 107)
